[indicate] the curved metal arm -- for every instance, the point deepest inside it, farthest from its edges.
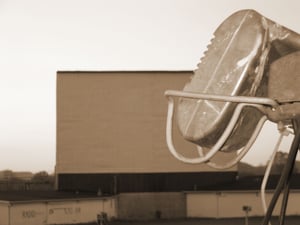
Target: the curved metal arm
(223, 98)
(243, 152)
(219, 143)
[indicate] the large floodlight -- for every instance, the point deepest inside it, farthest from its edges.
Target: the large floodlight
(249, 74)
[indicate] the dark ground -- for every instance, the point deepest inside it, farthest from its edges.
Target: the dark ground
(42, 195)
(240, 221)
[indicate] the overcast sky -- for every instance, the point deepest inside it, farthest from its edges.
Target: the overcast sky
(39, 37)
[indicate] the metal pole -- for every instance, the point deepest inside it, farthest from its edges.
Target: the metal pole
(246, 218)
(247, 209)
(284, 203)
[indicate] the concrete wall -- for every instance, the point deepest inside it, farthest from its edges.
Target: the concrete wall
(140, 206)
(200, 205)
(79, 211)
(4, 213)
(56, 211)
(230, 204)
(147, 206)
(32, 213)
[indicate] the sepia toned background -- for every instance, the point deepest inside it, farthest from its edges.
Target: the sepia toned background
(39, 38)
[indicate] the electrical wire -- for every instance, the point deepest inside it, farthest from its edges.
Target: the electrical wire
(287, 188)
(286, 173)
(267, 173)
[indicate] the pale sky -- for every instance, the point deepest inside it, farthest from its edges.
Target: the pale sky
(40, 37)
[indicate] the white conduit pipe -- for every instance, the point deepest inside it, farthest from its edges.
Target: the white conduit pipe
(268, 171)
(243, 152)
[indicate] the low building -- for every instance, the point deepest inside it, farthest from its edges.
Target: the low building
(48, 207)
